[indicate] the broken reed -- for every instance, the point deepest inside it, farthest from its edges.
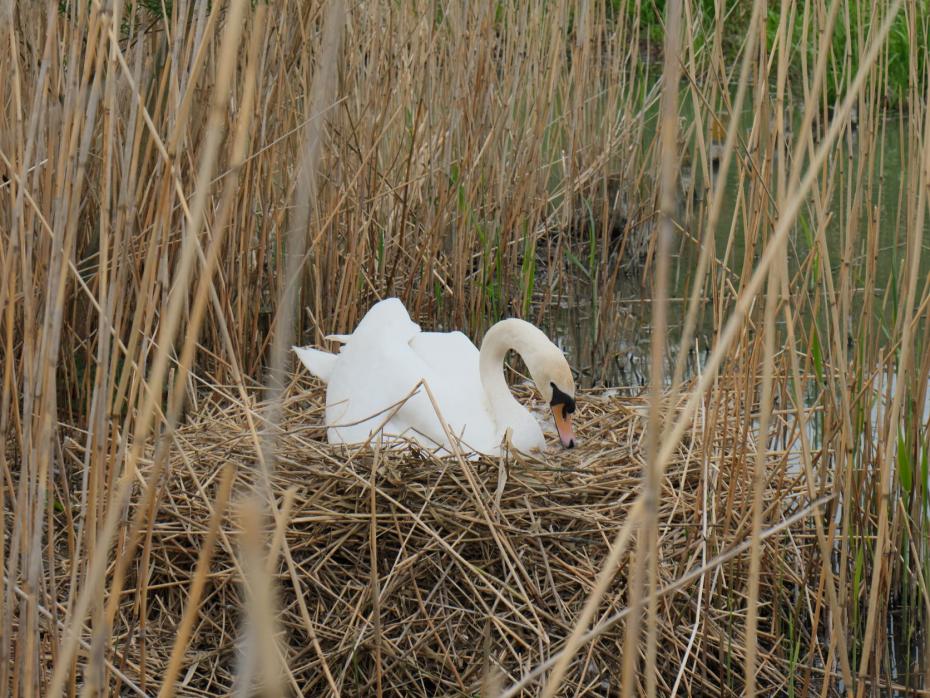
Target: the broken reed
(463, 141)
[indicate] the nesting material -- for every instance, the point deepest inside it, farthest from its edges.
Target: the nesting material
(482, 566)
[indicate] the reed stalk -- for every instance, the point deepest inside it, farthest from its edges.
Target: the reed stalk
(718, 210)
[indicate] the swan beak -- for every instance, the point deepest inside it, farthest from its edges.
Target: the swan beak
(563, 423)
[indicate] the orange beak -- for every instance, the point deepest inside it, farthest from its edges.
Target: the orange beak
(563, 423)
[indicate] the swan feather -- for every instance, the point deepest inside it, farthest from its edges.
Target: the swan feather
(370, 380)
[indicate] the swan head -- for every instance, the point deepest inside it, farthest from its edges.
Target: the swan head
(553, 379)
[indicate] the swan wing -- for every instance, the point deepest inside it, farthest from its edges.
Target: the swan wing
(386, 319)
(319, 363)
(450, 354)
(371, 387)
(377, 367)
(453, 360)
(374, 375)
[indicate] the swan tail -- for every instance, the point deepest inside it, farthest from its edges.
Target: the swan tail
(319, 363)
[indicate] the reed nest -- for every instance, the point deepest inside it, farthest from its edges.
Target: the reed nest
(482, 565)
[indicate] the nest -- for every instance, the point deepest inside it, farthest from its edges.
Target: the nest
(482, 566)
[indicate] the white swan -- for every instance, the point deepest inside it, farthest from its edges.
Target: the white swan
(387, 355)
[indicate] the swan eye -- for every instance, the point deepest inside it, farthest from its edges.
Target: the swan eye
(560, 398)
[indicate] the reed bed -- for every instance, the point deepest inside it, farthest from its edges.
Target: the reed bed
(731, 195)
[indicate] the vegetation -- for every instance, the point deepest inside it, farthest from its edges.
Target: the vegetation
(188, 188)
(905, 48)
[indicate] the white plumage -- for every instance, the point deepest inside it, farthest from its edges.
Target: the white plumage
(387, 355)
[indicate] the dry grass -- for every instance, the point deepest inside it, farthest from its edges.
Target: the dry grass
(481, 566)
(187, 187)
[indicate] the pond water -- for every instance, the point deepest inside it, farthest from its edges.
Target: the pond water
(605, 328)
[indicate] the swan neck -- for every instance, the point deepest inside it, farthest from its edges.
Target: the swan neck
(501, 338)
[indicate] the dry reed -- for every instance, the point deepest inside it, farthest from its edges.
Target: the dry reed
(459, 580)
(184, 187)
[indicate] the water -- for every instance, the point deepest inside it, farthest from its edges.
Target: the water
(605, 328)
